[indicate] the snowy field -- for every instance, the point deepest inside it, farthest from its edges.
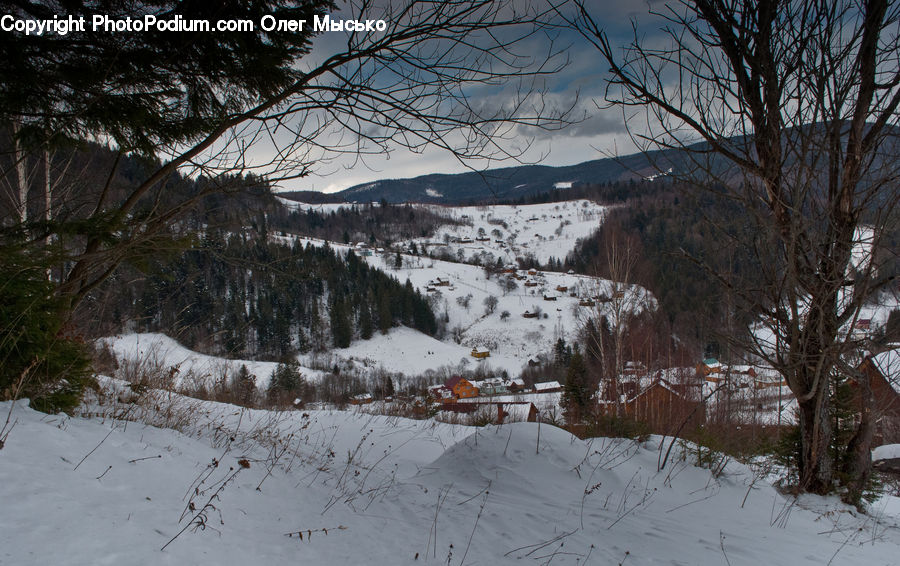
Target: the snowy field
(233, 486)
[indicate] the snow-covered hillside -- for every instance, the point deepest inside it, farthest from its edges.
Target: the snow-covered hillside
(541, 231)
(511, 338)
(235, 486)
(157, 353)
(516, 316)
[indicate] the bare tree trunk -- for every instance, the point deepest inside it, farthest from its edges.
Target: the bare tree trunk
(21, 177)
(816, 462)
(48, 203)
(859, 464)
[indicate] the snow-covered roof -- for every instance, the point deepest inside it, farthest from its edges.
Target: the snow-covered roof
(547, 385)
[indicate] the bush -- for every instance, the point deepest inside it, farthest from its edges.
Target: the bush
(37, 359)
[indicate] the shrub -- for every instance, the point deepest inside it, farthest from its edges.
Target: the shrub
(37, 359)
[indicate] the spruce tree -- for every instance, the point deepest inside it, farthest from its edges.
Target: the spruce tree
(577, 395)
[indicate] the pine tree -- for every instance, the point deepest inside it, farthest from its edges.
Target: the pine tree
(286, 382)
(341, 329)
(244, 387)
(577, 394)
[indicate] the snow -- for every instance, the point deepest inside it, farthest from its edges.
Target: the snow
(539, 230)
(155, 352)
(322, 208)
(886, 452)
(512, 342)
(390, 491)
(413, 353)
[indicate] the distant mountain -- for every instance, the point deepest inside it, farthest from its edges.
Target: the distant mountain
(513, 182)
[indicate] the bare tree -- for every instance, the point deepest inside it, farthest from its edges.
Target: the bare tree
(419, 83)
(619, 301)
(792, 108)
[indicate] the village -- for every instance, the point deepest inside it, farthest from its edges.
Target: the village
(752, 399)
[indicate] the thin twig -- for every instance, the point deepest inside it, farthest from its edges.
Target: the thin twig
(95, 448)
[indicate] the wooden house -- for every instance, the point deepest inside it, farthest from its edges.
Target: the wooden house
(664, 408)
(711, 370)
(562, 288)
(549, 297)
(515, 384)
(586, 302)
(883, 373)
(529, 314)
(634, 368)
(361, 399)
(547, 387)
(480, 354)
(492, 386)
(461, 387)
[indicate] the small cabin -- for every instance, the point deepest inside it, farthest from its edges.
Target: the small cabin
(480, 354)
(529, 314)
(562, 288)
(547, 387)
(549, 297)
(586, 303)
(361, 399)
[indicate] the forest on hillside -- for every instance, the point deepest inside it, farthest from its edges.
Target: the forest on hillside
(246, 296)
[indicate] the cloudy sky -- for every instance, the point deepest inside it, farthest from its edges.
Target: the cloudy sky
(598, 132)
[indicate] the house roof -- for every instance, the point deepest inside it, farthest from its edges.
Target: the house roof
(547, 385)
(454, 381)
(888, 363)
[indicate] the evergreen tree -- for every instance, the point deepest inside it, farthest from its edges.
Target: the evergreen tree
(244, 387)
(341, 329)
(286, 383)
(577, 394)
(36, 359)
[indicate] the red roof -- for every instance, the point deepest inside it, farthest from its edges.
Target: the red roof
(453, 381)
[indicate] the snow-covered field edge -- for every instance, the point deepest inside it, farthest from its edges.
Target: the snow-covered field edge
(139, 471)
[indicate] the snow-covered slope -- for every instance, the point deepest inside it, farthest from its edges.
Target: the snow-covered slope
(541, 231)
(156, 352)
(512, 339)
(236, 483)
(545, 230)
